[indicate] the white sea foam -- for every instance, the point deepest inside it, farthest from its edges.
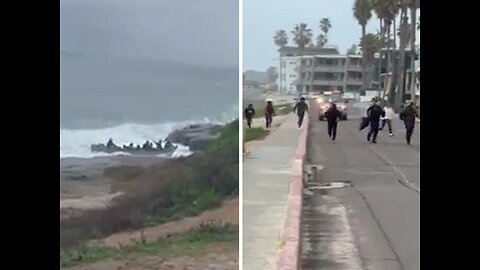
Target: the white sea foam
(77, 142)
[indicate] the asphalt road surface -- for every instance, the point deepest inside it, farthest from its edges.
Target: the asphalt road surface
(373, 222)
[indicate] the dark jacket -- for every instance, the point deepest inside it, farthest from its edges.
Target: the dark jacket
(300, 108)
(332, 114)
(375, 112)
(249, 112)
(408, 115)
(269, 110)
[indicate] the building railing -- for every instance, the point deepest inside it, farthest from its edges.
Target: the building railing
(331, 82)
(329, 68)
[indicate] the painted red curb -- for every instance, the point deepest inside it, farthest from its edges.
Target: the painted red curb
(302, 145)
(288, 256)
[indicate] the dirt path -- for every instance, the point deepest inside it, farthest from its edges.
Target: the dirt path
(218, 256)
(228, 213)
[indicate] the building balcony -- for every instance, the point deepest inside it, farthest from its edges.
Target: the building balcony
(353, 82)
(325, 82)
(329, 68)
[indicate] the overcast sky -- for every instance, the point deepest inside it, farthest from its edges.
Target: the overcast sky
(261, 18)
(203, 32)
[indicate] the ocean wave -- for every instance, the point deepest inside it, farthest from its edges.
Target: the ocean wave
(77, 142)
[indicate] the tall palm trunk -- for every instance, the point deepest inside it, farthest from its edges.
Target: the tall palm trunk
(382, 37)
(413, 76)
(400, 98)
(393, 65)
(386, 78)
(364, 59)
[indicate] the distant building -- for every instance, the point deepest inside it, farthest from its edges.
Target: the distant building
(322, 69)
(319, 69)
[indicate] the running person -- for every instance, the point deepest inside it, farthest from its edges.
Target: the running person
(387, 120)
(301, 107)
(332, 115)
(249, 113)
(374, 113)
(408, 116)
(269, 112)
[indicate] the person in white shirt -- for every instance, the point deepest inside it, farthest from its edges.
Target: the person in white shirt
(387, 120)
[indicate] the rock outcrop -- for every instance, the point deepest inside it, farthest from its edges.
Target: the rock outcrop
(196, 137)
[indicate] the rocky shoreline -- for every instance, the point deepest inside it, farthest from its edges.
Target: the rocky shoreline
(89, 179)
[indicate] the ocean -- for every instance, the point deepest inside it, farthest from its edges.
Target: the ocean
(133, 100)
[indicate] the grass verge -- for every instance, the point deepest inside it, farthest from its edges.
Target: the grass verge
(280, 109)
(194, 243)
(256, 133)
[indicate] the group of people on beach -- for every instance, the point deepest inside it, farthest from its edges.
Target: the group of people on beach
(300, 108)
(377, 118)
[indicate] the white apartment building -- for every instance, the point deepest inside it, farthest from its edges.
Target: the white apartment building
(287, 74)
(320, 73)
(321, 69)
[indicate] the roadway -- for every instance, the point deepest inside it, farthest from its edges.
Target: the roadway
(374, 221)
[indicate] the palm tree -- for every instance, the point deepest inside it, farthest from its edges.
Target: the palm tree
(386, 11)
(362, 11)
(413, 5)
(325, 25)
(353, 50)
(321, 40)
(408, 34)
(280, 39)
(370, 44)
(399, 99)
(302, 36)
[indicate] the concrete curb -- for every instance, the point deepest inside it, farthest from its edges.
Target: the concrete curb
(289, 254)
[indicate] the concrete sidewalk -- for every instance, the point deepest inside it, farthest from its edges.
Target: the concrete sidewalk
(266, 181)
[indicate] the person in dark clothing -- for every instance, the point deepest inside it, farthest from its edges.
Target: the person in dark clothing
(332, 115)
(269, 112)
(374, 112)
(249, 113)
(146, 146)
(110, 143)
(408, 116)
(301, 107)
(159, 145)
